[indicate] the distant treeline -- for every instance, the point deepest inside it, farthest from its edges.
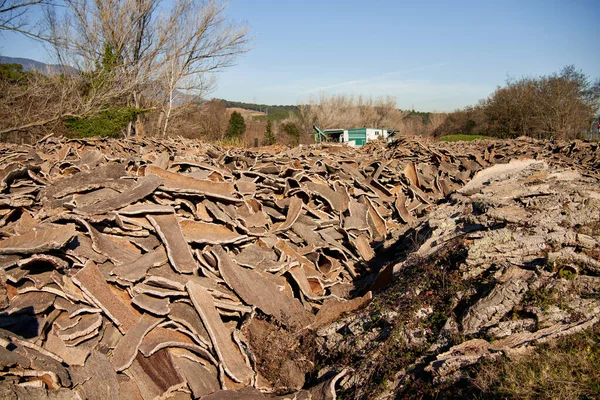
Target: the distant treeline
(425, 116)
(280, 112)
(275, 112)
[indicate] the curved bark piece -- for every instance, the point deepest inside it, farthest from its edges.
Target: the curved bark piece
(410, 171)
(178, 251)
(400, 205)
(155, 375)
(96, 379)
(256, 257)
(105, 176)
(92, 283)
(227, 351)
(151, 304)
(187, 316)
(29, 303)
(160, 338)
(361, 243)
(145, 208)
(127, 348)
(376, 222)
(202, 378)
(259, 291)
(70, 355)
(206, 233)
(334, 199)
(103, 245)
(294, 210)
(184, 184)
(136, 270)
(82, 248)
(312, 291)
(332, 309)
(145, 186)
(326, 390)
(323, 391)
(45, 238)
(358, 216)
(85, 326)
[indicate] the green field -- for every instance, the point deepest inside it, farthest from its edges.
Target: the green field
(462, 138)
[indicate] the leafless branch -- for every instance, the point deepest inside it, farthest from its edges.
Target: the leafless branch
(13, 17)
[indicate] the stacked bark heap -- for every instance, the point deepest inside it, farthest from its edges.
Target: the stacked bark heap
(136, 269)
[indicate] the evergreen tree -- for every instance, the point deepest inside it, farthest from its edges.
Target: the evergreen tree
(269, 136)
(237, 126)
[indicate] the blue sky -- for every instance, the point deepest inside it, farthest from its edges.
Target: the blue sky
(434, 55)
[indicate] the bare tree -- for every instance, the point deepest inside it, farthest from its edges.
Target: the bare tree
(13, 16)
(561, 105)
(40, 98)
(341, 111)
(436, 119)
(214, 120)
(88, 40)
(202, 42)
(156, 52)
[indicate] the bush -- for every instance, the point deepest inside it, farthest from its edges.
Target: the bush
(108, 123)
(469, 121)
(561, 105)
(12, 73)
(293, 131)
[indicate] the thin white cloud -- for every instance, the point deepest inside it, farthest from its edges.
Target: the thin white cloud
(370, 79)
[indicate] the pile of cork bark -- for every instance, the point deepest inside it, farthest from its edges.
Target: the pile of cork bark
(136, 268)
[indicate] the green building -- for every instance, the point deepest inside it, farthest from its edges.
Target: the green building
(357, 137)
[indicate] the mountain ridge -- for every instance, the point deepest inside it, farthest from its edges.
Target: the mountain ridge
(34, 65)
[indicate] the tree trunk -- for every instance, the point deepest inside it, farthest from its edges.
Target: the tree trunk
(159, 124)
(168, 114)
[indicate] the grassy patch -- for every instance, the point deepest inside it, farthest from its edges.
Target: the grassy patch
(542, 298)
(424, 283)
(567, 369)
(229, 142)
(462, 138)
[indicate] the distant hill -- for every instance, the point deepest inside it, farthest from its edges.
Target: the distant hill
(31, 65)
(279, 112)
(274, 112)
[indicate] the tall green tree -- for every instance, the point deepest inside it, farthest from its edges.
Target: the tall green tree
(269, 136)
(237, 126)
